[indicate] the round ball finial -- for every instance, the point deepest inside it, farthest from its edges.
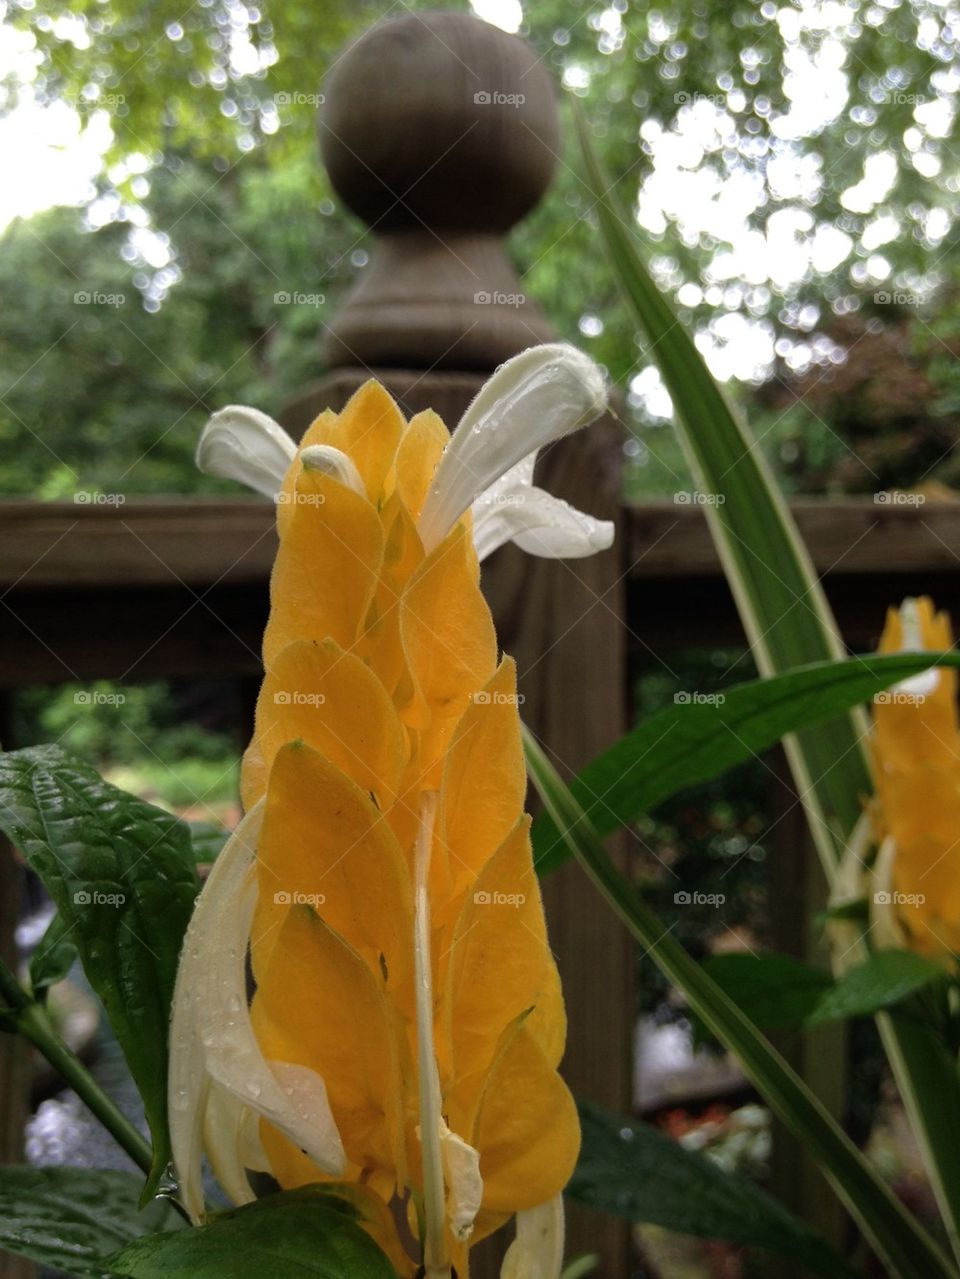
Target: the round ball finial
(440, 132)
(440, 118)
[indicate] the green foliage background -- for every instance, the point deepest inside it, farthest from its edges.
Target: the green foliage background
(112, 397)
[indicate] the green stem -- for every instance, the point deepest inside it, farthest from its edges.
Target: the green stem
(14, 997)
(33, 1022)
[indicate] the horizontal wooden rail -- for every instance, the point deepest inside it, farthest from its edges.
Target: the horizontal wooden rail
(177, 587)
(200, 541)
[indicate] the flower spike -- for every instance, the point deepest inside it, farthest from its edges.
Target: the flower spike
(406, 1025)
(915, 746)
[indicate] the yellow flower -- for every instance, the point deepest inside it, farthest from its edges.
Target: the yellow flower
(916, 815)
(407, 1021)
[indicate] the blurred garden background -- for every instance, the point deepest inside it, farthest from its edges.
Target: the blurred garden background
(169, 243)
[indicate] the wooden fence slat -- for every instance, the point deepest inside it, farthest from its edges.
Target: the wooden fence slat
(199, 541)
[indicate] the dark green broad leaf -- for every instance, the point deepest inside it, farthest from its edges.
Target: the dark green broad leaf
(882, 981)
(208, 840)
(53, 957)
(307, 1232)
(774, 991)
(693, 742)
(632, 1170)
(121, 874)
(72, 1219)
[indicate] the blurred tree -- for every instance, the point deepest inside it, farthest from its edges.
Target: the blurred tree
(112, 363)
(785, 160)
(884, 417)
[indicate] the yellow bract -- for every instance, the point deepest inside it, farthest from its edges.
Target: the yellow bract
(382, 687)
(916, 756)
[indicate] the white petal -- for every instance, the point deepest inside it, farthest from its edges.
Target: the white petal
(461, 1170)
(519, 476)
(331, 461)
(540, 524)
(922, 685)
(231, 1140)
(540, 395)
(537, 1251)
(224, 1125)
(850, 886)
(189, 1082)
(886, 932)
(211, 1031)
(240, 443)
(436, 1260)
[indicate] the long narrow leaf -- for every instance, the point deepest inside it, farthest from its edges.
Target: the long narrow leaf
(781, 603)
(788, 623)
(895, 1234)
(694, 741)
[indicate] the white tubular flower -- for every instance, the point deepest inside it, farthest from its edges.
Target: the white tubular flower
(886, 932)
(461, 1172)
(219, 1079)
(513, 510)
(539, 396)
(537, 1251)
(330, 461)
(231, 1140)
(851, 886)
(244, 444)
(447, 1159)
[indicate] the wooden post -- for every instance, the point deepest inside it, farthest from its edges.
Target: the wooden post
(797, 894)
(440, 132)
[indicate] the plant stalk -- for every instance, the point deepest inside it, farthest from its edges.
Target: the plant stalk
(33, 1022)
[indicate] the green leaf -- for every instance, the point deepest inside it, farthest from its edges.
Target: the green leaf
(633, 1170)
(53, 957)
(774, 991)
(122, 876)
(208, 840)
(581, 1266)
(781, 602)
(788, 622)
(693, 742)
(885, 979)
(72, 1219)
(898, 1238)
(306, 1232)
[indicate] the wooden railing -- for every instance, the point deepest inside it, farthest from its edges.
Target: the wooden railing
(177, 587)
